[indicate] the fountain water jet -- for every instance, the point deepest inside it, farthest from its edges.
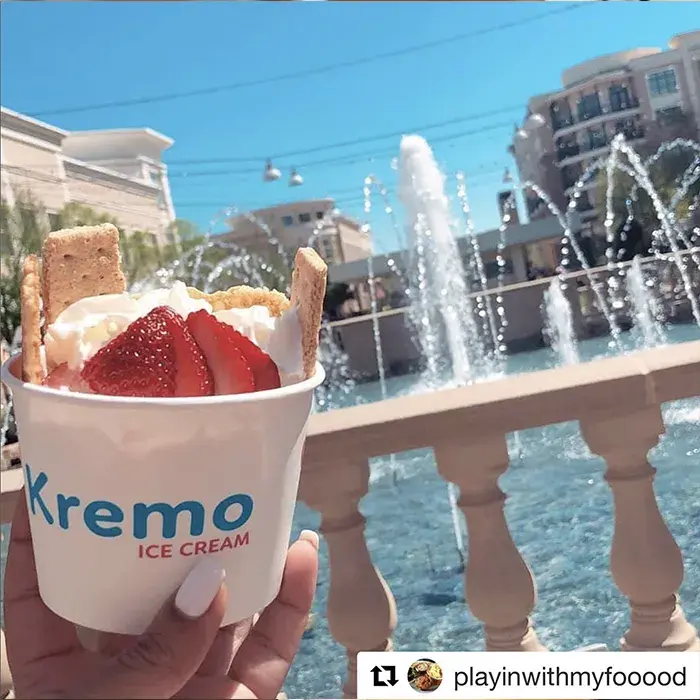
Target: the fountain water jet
(442, 283)
(560, 325)
(643, 307)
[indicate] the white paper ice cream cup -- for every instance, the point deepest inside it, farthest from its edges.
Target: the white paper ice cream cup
(125, 494)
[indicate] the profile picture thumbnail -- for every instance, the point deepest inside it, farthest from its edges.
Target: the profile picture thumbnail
(424, 675)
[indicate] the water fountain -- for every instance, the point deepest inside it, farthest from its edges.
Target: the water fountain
(559, 324)
(443, 293)
(644, 308)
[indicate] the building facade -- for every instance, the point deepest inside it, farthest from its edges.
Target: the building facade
(337, 238)
(531, 251)
(648, 94)
(116, 171)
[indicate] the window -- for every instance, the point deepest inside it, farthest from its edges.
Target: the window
(662, 82)
(669, 116)
(304, 217)
(589, 106)
(560, 114)
(288, 220)
(319, 215)
(567, 147)
(597, 138)
(620, 98)
(631, 128)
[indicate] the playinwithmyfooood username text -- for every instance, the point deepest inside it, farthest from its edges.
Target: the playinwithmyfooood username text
(521, 676)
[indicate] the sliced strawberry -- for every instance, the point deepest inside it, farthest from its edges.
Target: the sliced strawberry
(265, 372)
(63, 377)
(232, 373)
(193, 378)
(154, 356)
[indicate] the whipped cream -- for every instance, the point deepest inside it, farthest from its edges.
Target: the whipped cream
(90, 323)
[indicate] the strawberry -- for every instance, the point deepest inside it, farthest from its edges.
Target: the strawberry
(232, 373)
(194, 378)
(154, 356)
(265, 372)
(63, 377)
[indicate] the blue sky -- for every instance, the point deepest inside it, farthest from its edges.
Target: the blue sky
(57, 56)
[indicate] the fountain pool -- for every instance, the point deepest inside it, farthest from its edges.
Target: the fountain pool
(559, 512)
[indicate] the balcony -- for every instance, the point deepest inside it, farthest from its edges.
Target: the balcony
(624, 105)
(617, 403)
(569, 151)
(602, 116)
(559, 123)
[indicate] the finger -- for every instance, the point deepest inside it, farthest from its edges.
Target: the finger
(264, 659)
(226, 645)
(33, 631)
(168, 654)
(212, 680)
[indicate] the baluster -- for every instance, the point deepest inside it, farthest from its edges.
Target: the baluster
(645, 561)
(500, 589)
(361, 610)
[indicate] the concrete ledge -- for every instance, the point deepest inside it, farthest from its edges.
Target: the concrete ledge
(623, 385)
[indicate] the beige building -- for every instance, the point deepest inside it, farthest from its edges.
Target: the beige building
(337, 238)
(116, 171)
(527, 247)
(649, 94)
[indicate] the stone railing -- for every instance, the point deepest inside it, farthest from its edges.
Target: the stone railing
(467, 428)
(612, 399)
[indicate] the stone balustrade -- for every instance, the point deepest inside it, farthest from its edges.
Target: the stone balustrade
(612, 399)
(467, 430)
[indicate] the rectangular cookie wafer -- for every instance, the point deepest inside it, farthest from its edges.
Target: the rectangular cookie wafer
(308, 292)
(30, 302)
(80, 262)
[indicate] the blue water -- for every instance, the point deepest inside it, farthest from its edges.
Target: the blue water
(560, 514)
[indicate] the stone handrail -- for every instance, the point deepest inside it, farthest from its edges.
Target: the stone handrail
(467, 427)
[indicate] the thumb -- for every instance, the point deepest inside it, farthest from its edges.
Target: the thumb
(164, 658)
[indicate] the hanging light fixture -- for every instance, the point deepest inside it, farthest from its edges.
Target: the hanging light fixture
(271, 173)
(295, 179)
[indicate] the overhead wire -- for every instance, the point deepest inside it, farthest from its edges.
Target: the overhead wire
(309, 72)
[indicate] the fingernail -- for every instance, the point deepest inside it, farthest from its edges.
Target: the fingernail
(311, 537)
(198, 590)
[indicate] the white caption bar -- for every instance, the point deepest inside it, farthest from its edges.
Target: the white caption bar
(521, 676)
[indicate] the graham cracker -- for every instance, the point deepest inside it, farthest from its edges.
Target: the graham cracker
(243, 297)
(30, 301)
(80, 262)
(308, 293)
